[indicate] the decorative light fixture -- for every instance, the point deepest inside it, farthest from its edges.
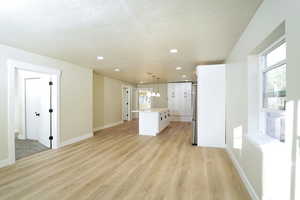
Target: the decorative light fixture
(155, 81)
(157, 94)
(100, 57)
(173, 50)
(117, 70)
(178, 68)
(153, 92)
(149, 94)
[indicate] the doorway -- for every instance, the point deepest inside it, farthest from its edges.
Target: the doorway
(33, 109)
(32, 104)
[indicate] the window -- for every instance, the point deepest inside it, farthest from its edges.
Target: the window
(273, 73)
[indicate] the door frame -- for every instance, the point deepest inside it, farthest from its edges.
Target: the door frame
(12, 67)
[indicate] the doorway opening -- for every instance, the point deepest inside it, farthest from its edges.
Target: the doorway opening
(33, 109)
(32, 116)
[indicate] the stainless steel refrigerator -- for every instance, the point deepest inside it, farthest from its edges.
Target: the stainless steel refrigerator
(194, 109)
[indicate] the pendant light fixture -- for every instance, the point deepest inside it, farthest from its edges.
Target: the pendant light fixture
(158, 94)
(155, 82)
(153, 92)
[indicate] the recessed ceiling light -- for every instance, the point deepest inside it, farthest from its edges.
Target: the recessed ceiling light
(183, 76)
(178, 68)
(117, 70)
(141, 82)
(100, 57)
(173, 50)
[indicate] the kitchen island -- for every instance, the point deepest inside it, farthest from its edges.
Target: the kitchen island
(153, 121)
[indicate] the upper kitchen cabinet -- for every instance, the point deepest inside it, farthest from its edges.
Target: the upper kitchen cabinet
(180, 101)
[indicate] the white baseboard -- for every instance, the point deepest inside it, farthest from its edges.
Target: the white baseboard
(4, 163)
(44, 142)
(98, 129)
(77, 139)
(243, 175)
(108, 126)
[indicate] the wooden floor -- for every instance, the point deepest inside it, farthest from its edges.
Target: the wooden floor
(119, 164)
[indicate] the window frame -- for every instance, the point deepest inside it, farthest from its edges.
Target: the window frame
(262, 70)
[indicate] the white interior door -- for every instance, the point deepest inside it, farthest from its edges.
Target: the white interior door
(44, 109)
(126, 104)
(33, 108)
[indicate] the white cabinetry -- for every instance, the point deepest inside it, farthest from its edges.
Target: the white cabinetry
(153, 121)
(179, 101)
(171, 97)
(211, 105)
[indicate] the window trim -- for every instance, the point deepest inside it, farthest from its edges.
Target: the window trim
(264, 69)
(277, 65)
(273, 46)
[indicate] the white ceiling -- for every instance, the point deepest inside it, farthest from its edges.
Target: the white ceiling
(132, 35)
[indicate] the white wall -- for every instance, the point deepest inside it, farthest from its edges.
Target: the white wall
(266, 169)
(112, 101)
(293, 39)
(98, 103)
(293, 72)
(76, 117)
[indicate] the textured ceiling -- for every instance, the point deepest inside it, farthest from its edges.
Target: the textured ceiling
(132, 35)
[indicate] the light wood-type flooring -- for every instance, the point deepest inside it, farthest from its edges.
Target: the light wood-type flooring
(119, 164)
